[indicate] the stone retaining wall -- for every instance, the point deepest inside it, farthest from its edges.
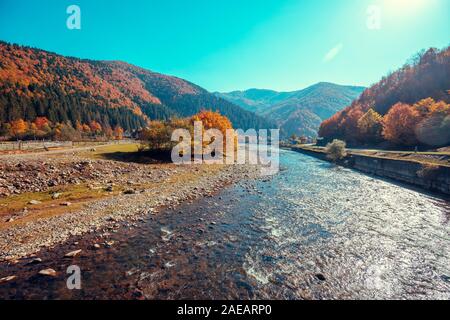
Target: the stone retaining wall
(430, 177)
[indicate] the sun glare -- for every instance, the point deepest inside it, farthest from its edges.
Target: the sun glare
(400, 7)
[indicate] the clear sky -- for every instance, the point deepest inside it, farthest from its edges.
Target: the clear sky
(225, 45)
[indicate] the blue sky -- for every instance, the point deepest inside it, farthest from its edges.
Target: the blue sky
(225, 45)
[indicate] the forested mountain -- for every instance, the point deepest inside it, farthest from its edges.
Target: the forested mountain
(36, 83)
(408, 107)
(298, 112)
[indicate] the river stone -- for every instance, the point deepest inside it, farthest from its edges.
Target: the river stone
(34, 202)
(7, 279)
(109, 244)
(138, 294)
(321, 277)
(73, 254)
(35, 261)
(56, 196)
(48, 272)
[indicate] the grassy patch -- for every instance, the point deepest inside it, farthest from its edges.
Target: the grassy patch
(77, 195)
(104, 152)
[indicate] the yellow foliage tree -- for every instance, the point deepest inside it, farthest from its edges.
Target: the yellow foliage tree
(157, 135)
(370, 126)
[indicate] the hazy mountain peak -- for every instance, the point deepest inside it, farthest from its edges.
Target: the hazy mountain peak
(299, 112)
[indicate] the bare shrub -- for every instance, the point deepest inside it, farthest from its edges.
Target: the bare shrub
(336, 150)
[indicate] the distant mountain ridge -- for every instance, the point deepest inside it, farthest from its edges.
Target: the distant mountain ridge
(297, 112)
(35, 82)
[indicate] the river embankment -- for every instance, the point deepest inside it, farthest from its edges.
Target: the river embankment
(426, 175)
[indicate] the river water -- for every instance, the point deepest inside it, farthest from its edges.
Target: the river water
(313, 231)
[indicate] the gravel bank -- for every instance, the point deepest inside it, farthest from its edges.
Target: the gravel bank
(173, 185)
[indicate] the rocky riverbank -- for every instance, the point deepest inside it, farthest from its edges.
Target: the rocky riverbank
(111, 192)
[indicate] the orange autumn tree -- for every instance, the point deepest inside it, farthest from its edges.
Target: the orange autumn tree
(86, 129)
(41, 122)
(95, 127)
(213, 120)
(118, 133)
(350, 123)
(159, 133)
(42, 127)
(18, 128)
(400, 123)
(79, 126)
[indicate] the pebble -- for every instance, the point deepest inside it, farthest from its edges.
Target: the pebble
(73, 254)
(34, 202)
(321, 277)
(35, 261)
(138, 294)
(56, 196)
(7, 279)
(48, 272)
(109, 244)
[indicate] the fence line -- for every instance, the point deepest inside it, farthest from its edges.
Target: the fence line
(44, 144)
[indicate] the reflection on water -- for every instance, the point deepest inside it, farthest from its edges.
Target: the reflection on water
(314, 231)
